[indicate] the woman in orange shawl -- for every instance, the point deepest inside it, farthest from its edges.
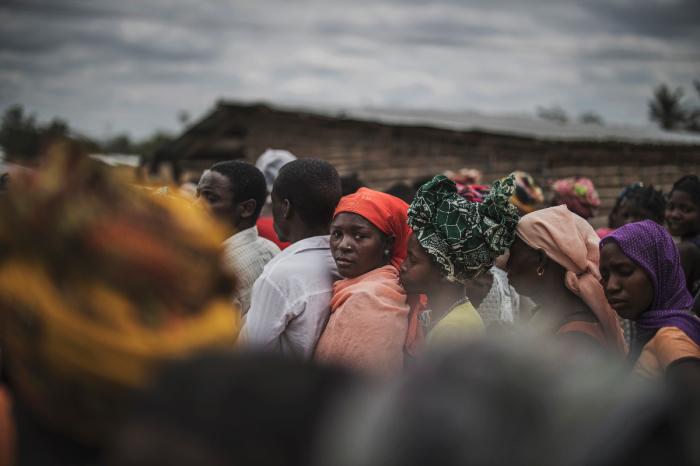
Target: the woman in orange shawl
(372, 319)
(554, 260)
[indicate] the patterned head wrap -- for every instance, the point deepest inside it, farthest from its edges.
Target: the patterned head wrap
(473, 192)
(578, 194)
(100, 284)
(463, 238)
(527, 194)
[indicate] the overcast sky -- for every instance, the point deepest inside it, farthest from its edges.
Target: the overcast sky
(130, 66)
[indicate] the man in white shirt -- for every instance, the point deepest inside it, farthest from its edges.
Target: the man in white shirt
(235, 192)
(291, 299)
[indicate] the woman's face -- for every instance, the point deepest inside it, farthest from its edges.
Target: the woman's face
(628, 288)
(358, 246)
(418, 272)
(522, 266)
(682, 214)
(632, 212)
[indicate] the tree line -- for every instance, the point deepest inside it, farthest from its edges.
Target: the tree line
(22, 137)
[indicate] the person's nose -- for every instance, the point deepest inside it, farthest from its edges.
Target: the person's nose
(345, 244)
(611, 286)
(402, 266)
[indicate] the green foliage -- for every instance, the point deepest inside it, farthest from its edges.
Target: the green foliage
(666, 107)
(22, 137)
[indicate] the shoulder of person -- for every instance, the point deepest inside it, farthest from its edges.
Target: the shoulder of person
(689, 250)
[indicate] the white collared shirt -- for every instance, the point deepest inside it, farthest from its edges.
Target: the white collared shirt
(291, 300)
(245, 256)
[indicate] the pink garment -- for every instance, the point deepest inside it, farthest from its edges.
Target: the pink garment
(571, 242)
(367, 328)
(603, 232)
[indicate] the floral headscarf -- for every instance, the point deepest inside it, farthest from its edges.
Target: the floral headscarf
(578, 194)
(463, 238)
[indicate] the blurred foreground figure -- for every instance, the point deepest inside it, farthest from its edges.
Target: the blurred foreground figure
(234, 191)
(99, 285)
(270, 163)
(507, 405)
(244, 410)
(554, 260)
(453, 242)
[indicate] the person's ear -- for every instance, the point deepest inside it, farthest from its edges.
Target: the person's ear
(389, 243)
(542, 258)
(247, 208)
(288, 209)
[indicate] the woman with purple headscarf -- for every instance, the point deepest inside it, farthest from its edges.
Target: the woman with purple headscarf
(644, 282)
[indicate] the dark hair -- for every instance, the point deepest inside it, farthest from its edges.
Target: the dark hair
(418, 182)
(312, 186)
(689, 184)
(402, 191)
(351, 184)
(247, 182)
(649, 199)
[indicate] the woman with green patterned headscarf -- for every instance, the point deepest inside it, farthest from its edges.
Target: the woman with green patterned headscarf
(453, 241)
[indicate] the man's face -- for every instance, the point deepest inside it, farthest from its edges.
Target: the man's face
(278, 220)
(214, 192)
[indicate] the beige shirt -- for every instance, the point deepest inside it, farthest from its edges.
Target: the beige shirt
(245, 256)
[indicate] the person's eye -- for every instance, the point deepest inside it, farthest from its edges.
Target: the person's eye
(359, 236)
(335, 233)
(625, 272)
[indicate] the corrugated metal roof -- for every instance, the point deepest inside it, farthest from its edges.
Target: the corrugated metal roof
(512, 125)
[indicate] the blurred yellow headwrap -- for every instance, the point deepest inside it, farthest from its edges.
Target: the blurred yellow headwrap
(101, 283)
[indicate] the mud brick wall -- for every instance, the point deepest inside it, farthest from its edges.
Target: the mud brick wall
(382, 154)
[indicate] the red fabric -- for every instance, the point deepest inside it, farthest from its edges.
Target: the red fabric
(603, 232)
(390, 215)
(265, 230)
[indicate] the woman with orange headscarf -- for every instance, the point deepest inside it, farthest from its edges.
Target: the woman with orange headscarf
(554, 260)
(373, 321)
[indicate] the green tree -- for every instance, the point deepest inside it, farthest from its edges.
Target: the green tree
(19, 135)
(667, 109)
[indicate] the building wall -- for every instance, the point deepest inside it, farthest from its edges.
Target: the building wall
(382, 155)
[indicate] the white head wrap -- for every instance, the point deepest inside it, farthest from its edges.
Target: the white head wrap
(270, 163)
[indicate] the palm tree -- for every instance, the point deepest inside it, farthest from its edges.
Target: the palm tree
(666, 107)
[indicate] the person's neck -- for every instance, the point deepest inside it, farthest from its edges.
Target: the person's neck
(441, 300)
(301, 232)
(243, 226)
(559, 302)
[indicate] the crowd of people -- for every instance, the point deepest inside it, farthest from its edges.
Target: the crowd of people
(290, 316)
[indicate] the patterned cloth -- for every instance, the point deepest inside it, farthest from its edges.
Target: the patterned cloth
(648, 244)
(100, 284)
(578, 194)
(502, 301)
(463, 238)
(527, 194)
(245, 256)
(473, 192)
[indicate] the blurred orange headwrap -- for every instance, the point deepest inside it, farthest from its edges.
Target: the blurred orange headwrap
(389, 214)
(100, 283)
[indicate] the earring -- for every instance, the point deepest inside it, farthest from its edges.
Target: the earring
(540, 272)
(386, 252)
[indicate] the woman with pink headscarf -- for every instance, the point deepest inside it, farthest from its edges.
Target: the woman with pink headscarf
(554, 260)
